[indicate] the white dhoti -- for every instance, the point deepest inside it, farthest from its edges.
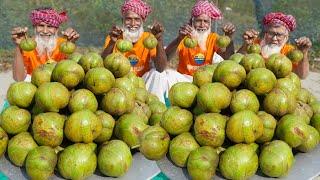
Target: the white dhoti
(28, 78)
(159, 84)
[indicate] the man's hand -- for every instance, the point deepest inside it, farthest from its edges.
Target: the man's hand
(18, 34)
(229, 29)
(185, 30)
(249, 36)
(303, 43)
(115, 33)
(71, 34)
(157, 30)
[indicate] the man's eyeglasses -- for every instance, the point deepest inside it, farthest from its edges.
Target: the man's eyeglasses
(277, 35)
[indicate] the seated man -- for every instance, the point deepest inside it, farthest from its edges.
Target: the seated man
(199, 28)
(46, 22)
(134, 14)
(206, 52)
(276, 35)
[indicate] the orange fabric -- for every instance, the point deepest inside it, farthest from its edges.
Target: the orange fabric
(285, 50)
(32, 60)
(190, 59)
(139, 56)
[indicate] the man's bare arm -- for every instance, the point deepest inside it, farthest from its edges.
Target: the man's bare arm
(18, 69)
(228, 51)
(172, 48)
(303, 67)
(185, 30)
(249, 37)
(115, 34)
(161, 57)
(304, 44)
(228, 30)
(108, 50)
(161, 60)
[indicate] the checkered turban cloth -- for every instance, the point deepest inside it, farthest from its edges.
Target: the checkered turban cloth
(206, 7)
(137, 6)
(279, 18)
(48, 16)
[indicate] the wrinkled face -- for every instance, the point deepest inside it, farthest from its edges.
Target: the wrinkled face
(46, 37)
(276, 35)
(201, 23)
(45, 30)
(202, 29)
(132, 21)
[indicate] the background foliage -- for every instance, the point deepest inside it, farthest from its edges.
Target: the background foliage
(94, 18)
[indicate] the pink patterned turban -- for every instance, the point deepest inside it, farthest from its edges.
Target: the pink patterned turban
(279, 18)
(48, 16)
(137, 6)
(206, 7)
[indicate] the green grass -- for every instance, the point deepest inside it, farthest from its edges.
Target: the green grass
(6, 59)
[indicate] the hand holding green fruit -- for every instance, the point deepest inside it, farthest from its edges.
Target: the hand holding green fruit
(67, 47)
(223, 41)
(295, 55)
(254, 48)
(28, 44)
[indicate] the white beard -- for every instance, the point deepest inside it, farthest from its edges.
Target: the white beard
(46, 45)
(132, 35)
(201, 37)
(268, 49)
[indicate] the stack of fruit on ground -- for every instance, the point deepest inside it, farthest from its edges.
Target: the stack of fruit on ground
(87, 113)
(239, 116)
(80, 115)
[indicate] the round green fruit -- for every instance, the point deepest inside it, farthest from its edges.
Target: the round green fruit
(254, 48)
(295, 56)
(21, 94)
(180, 148)
(202, 163)
(150, 42)
(28, 44)
(238, 162)
(124, 45)
(223, 41)
(154, 142)
(77, 161)
(67, 47)
(40, 162)
(114, 158)
(190, 42)
(276, 159)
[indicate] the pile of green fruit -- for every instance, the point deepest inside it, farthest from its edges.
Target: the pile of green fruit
(79, 115)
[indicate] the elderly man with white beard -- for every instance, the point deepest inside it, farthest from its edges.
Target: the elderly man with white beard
(46, 22)
(190, 59)
(277, 27)
(134, 14)
(206, 52)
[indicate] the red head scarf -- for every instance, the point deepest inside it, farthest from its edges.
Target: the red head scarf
(279, 18)
(206, 7)
(48, 16)
(137, 6)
